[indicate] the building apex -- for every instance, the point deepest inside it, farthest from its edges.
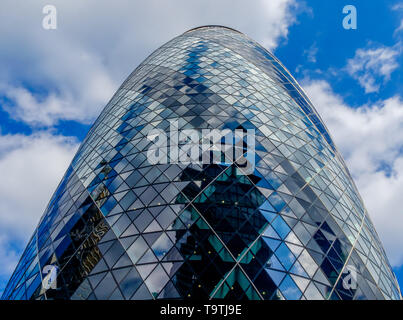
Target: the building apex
(212, 26)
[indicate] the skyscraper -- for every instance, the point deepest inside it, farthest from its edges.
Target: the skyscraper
(146, 211)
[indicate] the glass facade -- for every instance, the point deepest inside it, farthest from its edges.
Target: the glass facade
(122, 227)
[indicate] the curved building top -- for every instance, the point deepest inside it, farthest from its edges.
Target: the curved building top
(268, 63)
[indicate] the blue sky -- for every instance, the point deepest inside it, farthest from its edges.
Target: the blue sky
(54, 83)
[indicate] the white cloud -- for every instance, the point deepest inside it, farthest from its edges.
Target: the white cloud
(311, 53)
(399, 28)
(368, 65)
(75, 69)
(35, 111)
(370, 139)
(397, 6)
(9, 257)
(31, 168)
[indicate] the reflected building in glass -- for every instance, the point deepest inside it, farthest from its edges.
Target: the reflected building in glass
(122, 227)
